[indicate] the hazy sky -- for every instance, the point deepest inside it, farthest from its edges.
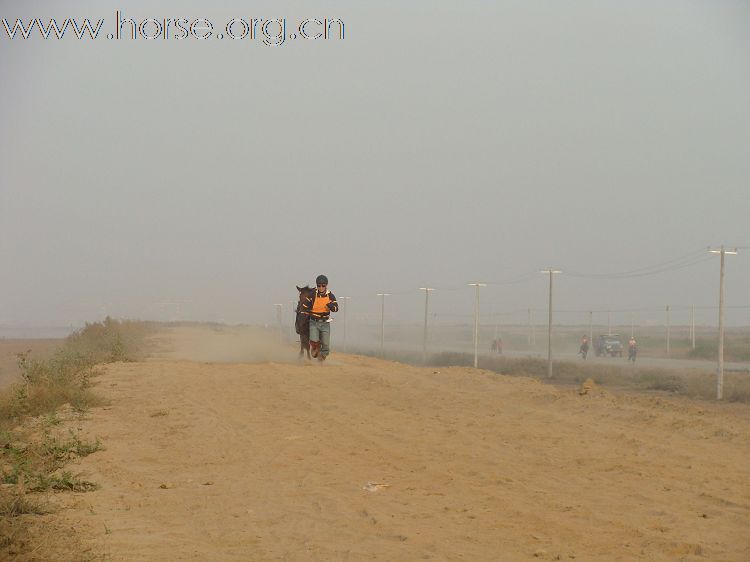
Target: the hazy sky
(438, 143)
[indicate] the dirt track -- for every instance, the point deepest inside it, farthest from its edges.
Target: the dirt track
(267, 461)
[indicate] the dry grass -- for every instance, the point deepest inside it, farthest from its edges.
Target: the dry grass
(13, 504)
(32, 455)
(735, 349)
(66, 376)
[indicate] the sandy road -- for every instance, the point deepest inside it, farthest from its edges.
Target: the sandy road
(267, 461)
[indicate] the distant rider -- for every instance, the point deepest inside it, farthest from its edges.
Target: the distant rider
(632, 349)
(584, 349)
(320, 318)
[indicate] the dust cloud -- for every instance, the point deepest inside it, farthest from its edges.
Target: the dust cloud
(235, 344)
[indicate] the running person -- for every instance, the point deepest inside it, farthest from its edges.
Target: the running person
(320, 317)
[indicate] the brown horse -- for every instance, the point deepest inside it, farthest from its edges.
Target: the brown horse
(302, 322)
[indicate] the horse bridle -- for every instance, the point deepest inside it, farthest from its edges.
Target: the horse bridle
(302, 308)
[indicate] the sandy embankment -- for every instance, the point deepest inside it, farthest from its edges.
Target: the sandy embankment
(267, 461)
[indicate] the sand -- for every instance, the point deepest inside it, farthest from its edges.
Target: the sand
(211, 456)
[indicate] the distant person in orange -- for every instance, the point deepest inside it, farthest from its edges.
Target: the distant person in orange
(584, 349)
(320, 317)
(632, 349)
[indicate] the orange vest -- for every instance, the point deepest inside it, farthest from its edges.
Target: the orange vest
(320, 305)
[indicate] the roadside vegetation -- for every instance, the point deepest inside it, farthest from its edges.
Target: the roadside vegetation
(567, 339)
(691, 383)
(735, 349)
(37, 420)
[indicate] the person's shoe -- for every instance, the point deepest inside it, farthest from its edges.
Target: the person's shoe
(322, 358)
(314, 349)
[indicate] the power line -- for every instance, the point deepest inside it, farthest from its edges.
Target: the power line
(514, 280)
(685, 260)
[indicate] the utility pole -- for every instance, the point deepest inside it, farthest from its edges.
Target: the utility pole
(720, 366)
(591, 327)
(382, 322)
(669, 318)
(549, 324)
(609, 322)
(476, 320)
(346, 309)
(692, 326)
(424, 337)
(632, 324)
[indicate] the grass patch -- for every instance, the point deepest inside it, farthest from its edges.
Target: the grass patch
(65, 481)
(14, 504)
(735, 349)
(66, 377)
(659, 381)
(34, 465)
(32, 457)
(110, 341)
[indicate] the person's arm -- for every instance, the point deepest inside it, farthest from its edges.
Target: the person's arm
(333, 306)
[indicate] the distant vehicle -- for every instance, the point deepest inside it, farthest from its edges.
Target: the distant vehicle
(608, 344)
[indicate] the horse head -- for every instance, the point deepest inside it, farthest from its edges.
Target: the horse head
(306, 295)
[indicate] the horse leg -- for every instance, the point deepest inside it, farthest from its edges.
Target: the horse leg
(307, 340)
